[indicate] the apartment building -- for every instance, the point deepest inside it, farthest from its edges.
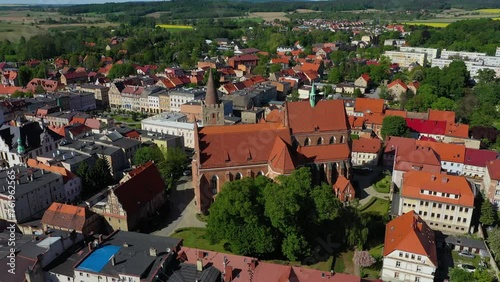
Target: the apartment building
(476, 160)
(173, 124)
(409, 250)
(446, 202)
(432, 53)
(406, 59)
(466, 56)
(101, 94)
(366, 151)
(184, 95)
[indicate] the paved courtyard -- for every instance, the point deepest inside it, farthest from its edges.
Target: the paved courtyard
(182, 211)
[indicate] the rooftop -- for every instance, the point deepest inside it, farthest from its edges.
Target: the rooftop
(27, 184)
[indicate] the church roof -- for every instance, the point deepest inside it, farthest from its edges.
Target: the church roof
(211, 97)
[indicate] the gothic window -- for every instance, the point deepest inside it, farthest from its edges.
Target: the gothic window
(307, 142)
(214, 182)
(332, 140)
(238, 176)
(320, 141)
(342, 139)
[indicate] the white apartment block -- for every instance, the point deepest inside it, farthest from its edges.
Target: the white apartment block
(405, 59)
(432, 53)
(173, 124)
(185, 95)
(466, 56)
(472, 66)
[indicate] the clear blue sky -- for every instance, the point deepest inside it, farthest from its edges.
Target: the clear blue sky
(64, 2)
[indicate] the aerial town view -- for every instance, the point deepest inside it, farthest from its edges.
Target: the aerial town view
(249, 140)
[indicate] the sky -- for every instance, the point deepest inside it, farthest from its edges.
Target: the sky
(65, 2)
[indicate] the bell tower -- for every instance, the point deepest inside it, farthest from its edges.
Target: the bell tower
(212, 109)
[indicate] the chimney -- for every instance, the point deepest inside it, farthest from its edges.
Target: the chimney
(153, 252)
(228, 273)
(100, 238)
(444, 180)
(433, 177)
(199, 265)
(90, 246)
(253, 264)
(113, 260)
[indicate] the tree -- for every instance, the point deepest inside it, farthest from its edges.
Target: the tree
(83, 172)
(443, 104)
(494, 242)
(174, 164)
(294, 96)
(363, 258)
(39, 89)
(394, 126)
(146, 154)
(335, 76)
(460, 275)
(274, 68)
(238, 216)
(357, 93)
(486, 75)
(24, 74)
(488, 214)
(121, 70)
(100, 174)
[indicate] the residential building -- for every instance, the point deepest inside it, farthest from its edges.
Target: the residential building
(432, 53)
(409, 250)
(72, 183)
(363, 82)
(76, 77)
(366, 106)
(406, 59)
(366, 151)
(129, 204)
(394, 42)
(475, 162)
(446, 202)
(101, 94)
(164, 141)
(245, 61)
(71, 218)
(391, 144)
(466, 56)
(184, 95)
(121, 256)
(34, 191)
(452, 156)
(164, 100)
(397, 89)
(491, 182)
(25, 139)
(173, 124)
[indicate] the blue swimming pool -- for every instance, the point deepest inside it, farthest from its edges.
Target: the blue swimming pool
(98, 258)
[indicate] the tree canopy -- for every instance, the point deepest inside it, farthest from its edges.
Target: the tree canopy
(394, 126)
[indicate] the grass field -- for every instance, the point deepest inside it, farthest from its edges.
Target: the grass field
(383, 185)
(195, 238)
(488, 11)
(376, 205)
(174, 26)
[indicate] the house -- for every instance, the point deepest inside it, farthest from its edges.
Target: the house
(391, 144)
(365, 151)
(446, 202)
(72, 183)
(491, 182)
(427, 128)
(363, 82)
(374, 122)
(129, 204)
(343, 189)
(248, 60)
(409, 250)
(413, 87)
(452, 156)
(46, 84)
(470, 245)
(475, 162)
(71, 218)
(76, 77)
(397, 89)
(367, 106)
(35, 190)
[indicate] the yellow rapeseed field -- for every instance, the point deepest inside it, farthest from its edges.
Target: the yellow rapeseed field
(489, 11)
(174, 26)
(432, 24)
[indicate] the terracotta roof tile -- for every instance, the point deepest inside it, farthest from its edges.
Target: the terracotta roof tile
(366, 145)
(426, 126)
(399, 113)
(409, 233)
(282, 158)
(478, 157)
(457, 130)
(369, 105)
(415, 181)
(447, 152)
(66, 216)
(327, 115)
(325, 152)
(447, 116)
(494, 169)
(397, 82)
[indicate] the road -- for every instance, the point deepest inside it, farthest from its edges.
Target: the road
(182, 212)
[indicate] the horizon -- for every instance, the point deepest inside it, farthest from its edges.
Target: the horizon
(68, 2)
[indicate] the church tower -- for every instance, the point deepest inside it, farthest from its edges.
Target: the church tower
(312, 96)
(212, 109)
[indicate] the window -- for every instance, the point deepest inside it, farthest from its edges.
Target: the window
(398, 264)
(425, 213)
(434, 205)
(432, 214)
(307, 142)
(461, 209)
(464, 220)
(406, 255)
(419, 258)
(440, 206)
(417, 279)
(419, 268)
(238, 176)
(466, 209)
(451, 217)
(215, 184)
(396, 274)
(445, 216)
(332, 140)
(412, 256)
(320, 141)
(400, 254)
(438, 215)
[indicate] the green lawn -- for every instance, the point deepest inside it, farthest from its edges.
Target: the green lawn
(459, 259)
(344, 263)
(194, 237)
(383, 185)
(376, 205)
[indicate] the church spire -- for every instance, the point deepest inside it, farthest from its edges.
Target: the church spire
(312, 96)
(211, 97)
(20, 146)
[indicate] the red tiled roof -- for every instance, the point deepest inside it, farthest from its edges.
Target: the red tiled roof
(457, 130)
(494, 169)
(426, 126)
(9, 90)
(374, 118)
(282, 60)
(366, 145)
(245, 57)
(447, 152)
(66, 174)
(327, 115)
(276, 116)
(342, 187)
(414, 84)
(325, 152)
(420, 156)
(75, 75)
(397, 82)
(241, 144)
(144, 185)
(366, 77)
(282, 158)
(369, 105)
(414, 181)
(93, 123)
(393, 142)
(478, 157)
(399, 113)
(66, 216)
(310, 67)
(447, 116)
(409, 233)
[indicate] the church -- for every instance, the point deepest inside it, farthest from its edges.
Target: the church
(313, 133)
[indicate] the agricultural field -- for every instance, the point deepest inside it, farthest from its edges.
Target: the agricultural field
(489, 11)
(174, 27)
(269, 16)
(432, 24)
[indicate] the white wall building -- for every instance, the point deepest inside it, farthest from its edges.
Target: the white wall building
(173, 124)
(405, 59)
(185, 95)
(432, 53)
(466, 56)
(409, 250)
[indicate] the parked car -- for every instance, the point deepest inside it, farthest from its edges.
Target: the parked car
(467, 267)
(186, 173)
(466, 254)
